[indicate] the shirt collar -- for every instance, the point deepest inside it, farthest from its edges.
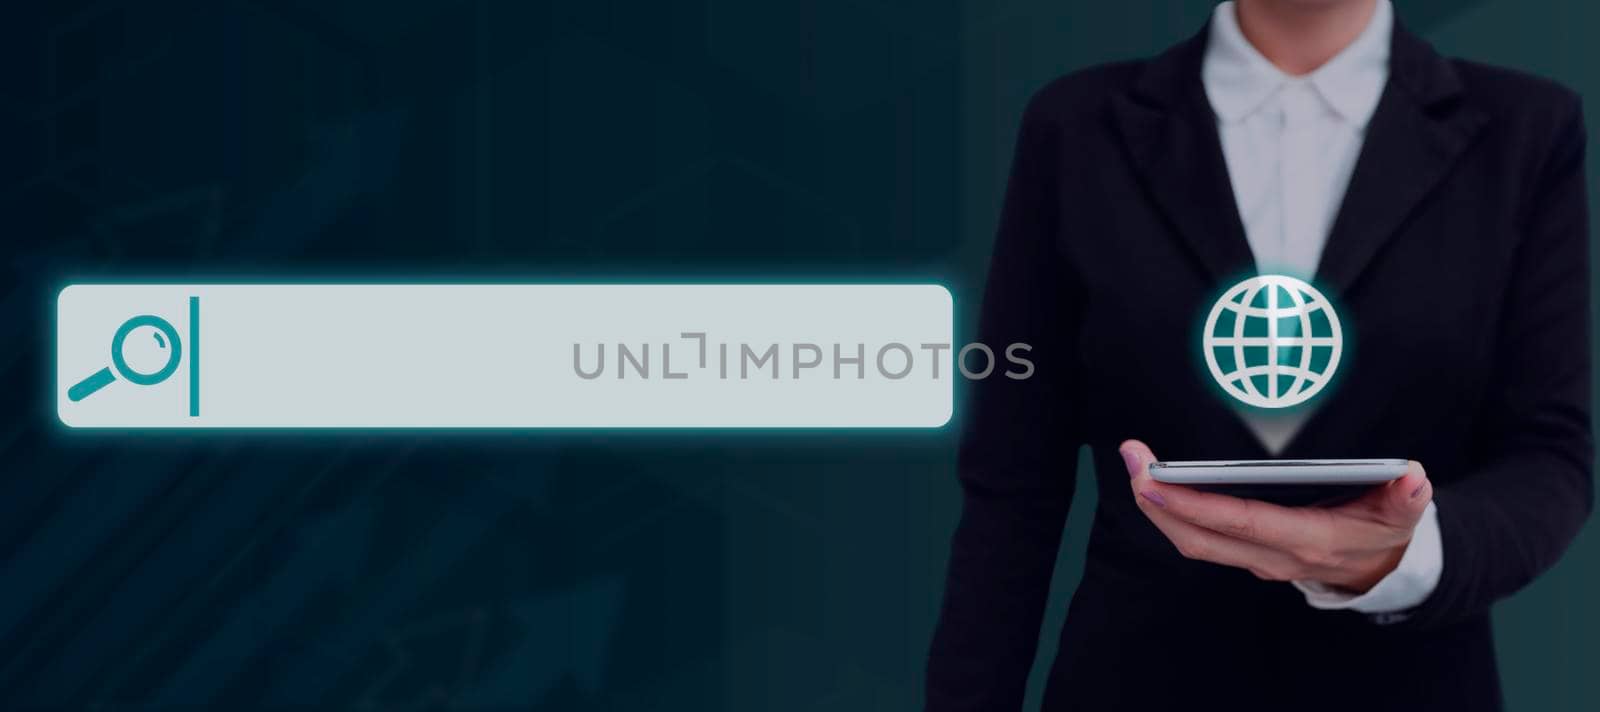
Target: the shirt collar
(1238, 80)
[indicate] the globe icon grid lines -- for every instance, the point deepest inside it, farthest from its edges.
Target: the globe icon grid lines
(1272, 341)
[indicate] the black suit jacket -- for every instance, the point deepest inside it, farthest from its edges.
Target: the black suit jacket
(1459, 261)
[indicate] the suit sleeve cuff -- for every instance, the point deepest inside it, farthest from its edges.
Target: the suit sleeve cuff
(1404, 588)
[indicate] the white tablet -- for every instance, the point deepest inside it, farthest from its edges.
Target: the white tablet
(1278, 472)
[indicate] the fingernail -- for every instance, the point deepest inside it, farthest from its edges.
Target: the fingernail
(1131, 460)
(1418, 491)
(1154, 497)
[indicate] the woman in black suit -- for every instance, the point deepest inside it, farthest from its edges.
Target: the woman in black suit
(1458, 253)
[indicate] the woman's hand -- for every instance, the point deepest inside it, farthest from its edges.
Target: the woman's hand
(1351, 546)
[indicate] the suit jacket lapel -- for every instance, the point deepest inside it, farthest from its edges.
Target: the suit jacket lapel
(1171, 137)
(1412, 141)
(1170, 133)
(1415, 138)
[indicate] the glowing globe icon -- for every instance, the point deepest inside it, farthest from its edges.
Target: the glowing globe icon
(1272, 341)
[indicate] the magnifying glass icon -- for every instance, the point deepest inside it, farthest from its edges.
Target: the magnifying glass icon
(103, 377)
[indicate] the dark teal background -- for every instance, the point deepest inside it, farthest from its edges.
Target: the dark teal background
(619, 139)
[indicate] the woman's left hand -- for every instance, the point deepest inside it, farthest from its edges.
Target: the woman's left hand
(1351, 546)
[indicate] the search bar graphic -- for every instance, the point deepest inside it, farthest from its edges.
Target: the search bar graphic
(504, 356)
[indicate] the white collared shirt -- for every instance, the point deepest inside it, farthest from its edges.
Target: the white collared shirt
(1290, 144)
